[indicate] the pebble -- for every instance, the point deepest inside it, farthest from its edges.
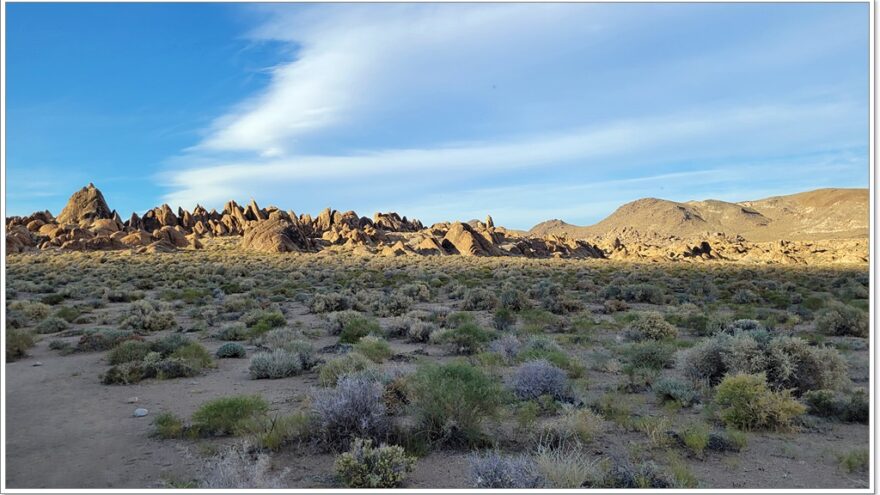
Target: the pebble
(140, 412)
(131, 400)
(38, 363)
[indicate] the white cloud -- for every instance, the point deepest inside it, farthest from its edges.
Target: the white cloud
(350, 63)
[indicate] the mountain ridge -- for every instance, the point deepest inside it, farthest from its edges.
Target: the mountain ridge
(829, 213)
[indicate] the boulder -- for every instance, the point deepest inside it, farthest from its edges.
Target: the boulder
(172, 236)
(461, 239)
(274, 236)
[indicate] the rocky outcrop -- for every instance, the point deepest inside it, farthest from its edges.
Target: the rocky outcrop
(85, 205)
(462, 239)
(276, 235)
(88, 224)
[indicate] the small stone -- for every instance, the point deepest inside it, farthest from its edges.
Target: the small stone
(38, 363)
(140, 412)
(131, 400)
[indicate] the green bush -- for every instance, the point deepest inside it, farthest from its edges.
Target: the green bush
(331, 371)
(451, 400)
(651, 354)
(852, 408)
(127, 351)
(52, 324)
(747, 403)
(231, 350)
(170, 343)
(129, 372)
(856, 460)
(365, 466)
(374, 348)
(651, 325)
(17, 343)
(468, 338)
(672, 390)
(195, 355)
(841, 319)
(233, 331)
(227, 415)
(68, 313)
(167, 425)
(357, 327)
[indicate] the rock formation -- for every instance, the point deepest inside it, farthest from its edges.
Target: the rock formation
(88, 224)
(87, 204)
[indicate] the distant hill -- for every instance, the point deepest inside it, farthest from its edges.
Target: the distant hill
(813, 215)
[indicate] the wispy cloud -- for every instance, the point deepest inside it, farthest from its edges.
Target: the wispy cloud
(429, 103)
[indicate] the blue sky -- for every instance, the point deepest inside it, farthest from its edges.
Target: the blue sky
(440, 111)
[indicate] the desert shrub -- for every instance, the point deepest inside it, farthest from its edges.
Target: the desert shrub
(273, 433)
(504, 319)
(467, 338)
(479, 299)
(856, 460)
(493, 470)
(52, 299)
(331, 371)
(174, 367)
(283, 338)
(695, 437)
(358, 326)
(540, 321)
(127, 351)
(227, 415)
(623, 474)
(31, 310)
(68, 313)
(536, 378)
(746, 402)
(261, 321)
(365, 466)
(841, 319)
(793, 363)
(745, 296)
(643, 293)
(194, 355)
(651, 354)
(508, 346)
(167, 425)
(417, 291)
(672, 390)
(231, 350)
(276, 364)
(102, 339)
(327, 302)
(566, 468)
(542, 347)
(353, 409)
(146, 316)
(52, 324)
(614, 306)
(128, 373)
(513, 299)
(573, 427)
(450, 401)
(788, 362)
(62, 346)
(374, 348)
(232, 331)
(852, 408)
(168, 344)
(17, 343)
(420, 331)
(651, 325)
